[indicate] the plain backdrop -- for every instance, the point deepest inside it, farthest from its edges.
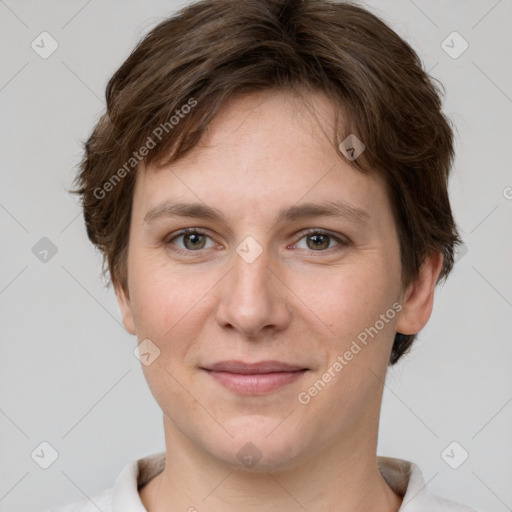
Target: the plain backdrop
(68, 375)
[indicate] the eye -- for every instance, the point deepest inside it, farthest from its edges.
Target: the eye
(317, 240)
(192, 240)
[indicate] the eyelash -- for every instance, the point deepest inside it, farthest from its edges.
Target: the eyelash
(308, 232)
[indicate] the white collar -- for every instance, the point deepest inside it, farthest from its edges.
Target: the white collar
(403, 477)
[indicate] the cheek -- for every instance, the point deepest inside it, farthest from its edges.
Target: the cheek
(349, 298)
(169, 309)
(168, 304)
(356, 305)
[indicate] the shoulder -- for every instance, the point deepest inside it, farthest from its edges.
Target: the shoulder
(98, 501)
(124, 495)
(406, 479)
(436, 503)
(426, 500)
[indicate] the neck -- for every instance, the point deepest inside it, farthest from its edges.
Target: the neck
(342, 477)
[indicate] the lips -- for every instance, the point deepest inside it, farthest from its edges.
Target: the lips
(241, 367)
(254, 378)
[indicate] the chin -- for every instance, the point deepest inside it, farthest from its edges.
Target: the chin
(257, 451)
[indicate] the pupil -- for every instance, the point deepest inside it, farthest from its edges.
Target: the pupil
(193, 239)
(319, 240)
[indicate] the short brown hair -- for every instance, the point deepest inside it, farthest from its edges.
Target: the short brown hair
(214, 49)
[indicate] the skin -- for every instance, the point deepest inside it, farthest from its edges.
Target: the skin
(295, 303)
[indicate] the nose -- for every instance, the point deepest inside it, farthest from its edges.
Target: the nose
(254, 299)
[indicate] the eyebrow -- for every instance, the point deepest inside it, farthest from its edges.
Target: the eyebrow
(296, 212)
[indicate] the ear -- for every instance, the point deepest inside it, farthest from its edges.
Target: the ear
(418, 299)
(123, 299)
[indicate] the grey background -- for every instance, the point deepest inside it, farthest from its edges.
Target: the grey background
(67, 369)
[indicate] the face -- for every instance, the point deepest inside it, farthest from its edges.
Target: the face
(263, 244)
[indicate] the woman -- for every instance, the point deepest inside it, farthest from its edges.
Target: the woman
(269, 189)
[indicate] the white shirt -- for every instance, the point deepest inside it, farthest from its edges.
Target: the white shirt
(403, 477)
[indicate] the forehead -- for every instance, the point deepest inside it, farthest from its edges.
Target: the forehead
(279, 122)
(264, 149)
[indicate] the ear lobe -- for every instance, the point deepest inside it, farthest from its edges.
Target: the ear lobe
(125, 307)
(419, 297)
